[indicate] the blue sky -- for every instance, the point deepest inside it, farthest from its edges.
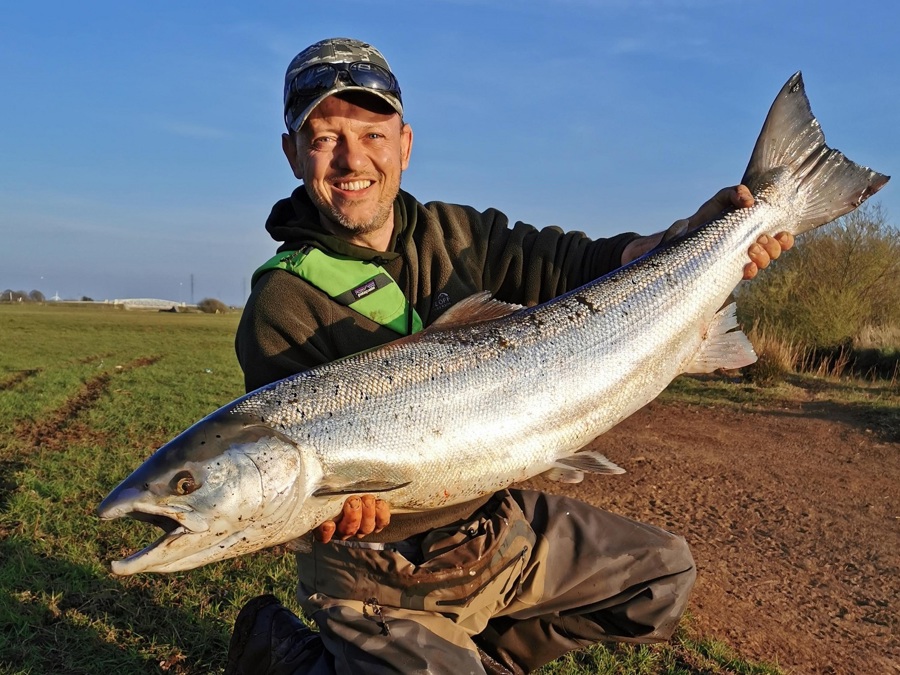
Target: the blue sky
(140, 144)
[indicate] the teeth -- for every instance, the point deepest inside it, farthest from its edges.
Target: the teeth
(355, 185)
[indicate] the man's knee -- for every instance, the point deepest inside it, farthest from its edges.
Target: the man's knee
(269, 638)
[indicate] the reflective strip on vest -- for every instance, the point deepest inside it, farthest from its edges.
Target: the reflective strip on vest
(362, 286)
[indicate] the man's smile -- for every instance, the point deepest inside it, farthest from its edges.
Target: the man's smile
(354, 185)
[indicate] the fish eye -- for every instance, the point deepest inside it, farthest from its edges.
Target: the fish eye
(183, 483)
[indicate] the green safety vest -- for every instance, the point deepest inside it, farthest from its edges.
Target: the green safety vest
(364, 287)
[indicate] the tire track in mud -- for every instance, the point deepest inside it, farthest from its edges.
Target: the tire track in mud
(57, 430)
(16, 378)
(62, 426)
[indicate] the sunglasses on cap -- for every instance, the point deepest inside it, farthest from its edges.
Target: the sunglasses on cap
(316, 79)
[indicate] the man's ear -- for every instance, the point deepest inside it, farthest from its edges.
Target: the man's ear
(289, 147)
(406, 142)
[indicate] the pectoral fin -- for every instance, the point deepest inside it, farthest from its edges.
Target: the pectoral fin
(328, 488)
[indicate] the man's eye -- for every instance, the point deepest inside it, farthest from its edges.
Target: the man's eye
(323, 142)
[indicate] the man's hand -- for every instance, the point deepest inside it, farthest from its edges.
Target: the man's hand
(765, 250)
(359, 517)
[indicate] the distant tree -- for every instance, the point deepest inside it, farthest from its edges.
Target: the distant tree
(85, 298)
(6, 295)
(212, 306)
(835, 284)
(36, 296)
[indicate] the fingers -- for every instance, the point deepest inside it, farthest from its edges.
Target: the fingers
(785, 240)
(750, 271)
(765, 250)
(367, 522)
(382, 515)
(358, 517)
(350, 519)
(324, 532)
(375, 516)
(741, 197)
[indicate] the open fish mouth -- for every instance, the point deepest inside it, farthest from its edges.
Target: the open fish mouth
(165, 523)
(174, 520)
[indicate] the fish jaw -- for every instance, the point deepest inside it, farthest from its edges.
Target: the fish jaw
(220, 489)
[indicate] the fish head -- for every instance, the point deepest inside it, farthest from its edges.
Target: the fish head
(218, 490)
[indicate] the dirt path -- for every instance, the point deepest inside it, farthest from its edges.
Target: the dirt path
(793, 516)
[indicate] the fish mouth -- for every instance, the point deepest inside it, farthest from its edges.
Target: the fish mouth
(174, 520)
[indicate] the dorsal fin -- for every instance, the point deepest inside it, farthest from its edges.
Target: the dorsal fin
(474, 309)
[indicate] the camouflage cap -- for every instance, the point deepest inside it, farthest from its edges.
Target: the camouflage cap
(334, 51)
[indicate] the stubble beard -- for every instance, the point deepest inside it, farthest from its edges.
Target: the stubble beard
(351, 226)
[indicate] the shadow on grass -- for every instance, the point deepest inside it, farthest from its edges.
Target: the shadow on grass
(883, 421)
(58, 617)
(865, 408)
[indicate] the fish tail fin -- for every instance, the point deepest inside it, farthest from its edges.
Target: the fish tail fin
(828, 184)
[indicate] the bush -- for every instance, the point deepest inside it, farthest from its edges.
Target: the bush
(837, 283)
(212, 306)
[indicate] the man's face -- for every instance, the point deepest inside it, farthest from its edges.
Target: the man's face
(350, 159)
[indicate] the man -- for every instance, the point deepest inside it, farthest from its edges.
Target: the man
(500, 585)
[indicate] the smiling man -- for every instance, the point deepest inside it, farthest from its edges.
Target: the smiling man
(503, 584)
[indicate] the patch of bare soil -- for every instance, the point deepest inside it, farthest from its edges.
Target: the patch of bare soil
(793, 517)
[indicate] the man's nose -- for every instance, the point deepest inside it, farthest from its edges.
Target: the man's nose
(351, 154)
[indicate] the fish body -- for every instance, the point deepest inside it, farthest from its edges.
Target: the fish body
(492, 394)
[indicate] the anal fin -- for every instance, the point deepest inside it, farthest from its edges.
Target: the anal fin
(723, 346)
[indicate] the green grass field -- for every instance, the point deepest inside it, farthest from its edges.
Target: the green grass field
(86, 393)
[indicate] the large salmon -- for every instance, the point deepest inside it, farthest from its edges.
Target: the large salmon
(492, 394)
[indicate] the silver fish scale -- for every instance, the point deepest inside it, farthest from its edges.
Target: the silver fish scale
(480, 406)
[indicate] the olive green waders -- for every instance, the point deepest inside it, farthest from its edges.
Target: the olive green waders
(528, 578)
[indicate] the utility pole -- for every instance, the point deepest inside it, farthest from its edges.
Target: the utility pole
(192, 288)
